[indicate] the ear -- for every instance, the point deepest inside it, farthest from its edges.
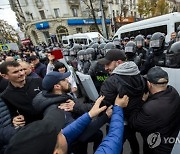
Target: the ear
(57, 86)
(119, 62)
(5, 76)
(56, 151)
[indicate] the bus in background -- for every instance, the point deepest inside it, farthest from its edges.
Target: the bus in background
(83, 38)
(166, 24)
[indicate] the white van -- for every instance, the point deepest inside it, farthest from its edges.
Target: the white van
(83, 38)
(66, 40)
(166, 24)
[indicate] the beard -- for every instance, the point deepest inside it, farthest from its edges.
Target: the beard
(67, 90)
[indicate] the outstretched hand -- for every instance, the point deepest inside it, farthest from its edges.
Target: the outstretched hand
(122, 102)
(96, 109)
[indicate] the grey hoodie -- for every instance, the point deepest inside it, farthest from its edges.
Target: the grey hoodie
(126, 68)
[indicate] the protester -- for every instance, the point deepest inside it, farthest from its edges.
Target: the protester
(20, 91)
(46, 137)
(159, 115)
(40, 68)
(56, 89)
(125, 79)
(28, 70)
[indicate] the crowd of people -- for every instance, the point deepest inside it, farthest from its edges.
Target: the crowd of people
(41, 110)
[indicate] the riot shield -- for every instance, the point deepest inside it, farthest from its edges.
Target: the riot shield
(88, 86)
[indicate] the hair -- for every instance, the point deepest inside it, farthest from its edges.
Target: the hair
(58, 65)
(4, 66)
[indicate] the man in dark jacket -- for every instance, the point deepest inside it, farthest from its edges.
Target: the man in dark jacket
(56, 89)
(158, 119)
(124, 80)
(20, 91)
(8, 127)
(40, 68)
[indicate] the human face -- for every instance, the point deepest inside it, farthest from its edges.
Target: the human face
(26, 67)
(111, 66)
(16, 76)
(62, 70)
(65, 86)
(61, 144)
(173, 36)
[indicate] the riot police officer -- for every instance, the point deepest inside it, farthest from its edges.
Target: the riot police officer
(173, 56)
(80, 60)
(130, 51)
(140, 49)
(73, 55)
(157, 52)
(108, 46)
(116, 42)
(101, 50)
(178, 37)
(147, 41)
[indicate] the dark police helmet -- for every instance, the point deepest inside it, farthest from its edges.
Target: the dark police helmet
(148, 37)
(95, 45)
(157, 41)
(178, 37)
(139, 40)
(130, 47)
(66, 52)
(173, 56)
(80, 55)
(109, 46)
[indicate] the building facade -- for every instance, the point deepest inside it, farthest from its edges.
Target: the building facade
(48, 20)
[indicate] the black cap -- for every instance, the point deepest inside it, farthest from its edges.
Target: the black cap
(33, 57)
(39, 137)
(113, 55)
(157, 75)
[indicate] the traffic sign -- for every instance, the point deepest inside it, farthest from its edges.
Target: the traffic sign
(4, 47)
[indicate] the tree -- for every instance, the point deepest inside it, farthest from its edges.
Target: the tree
(162, 7)
(141, 5)
(92, 7)
(150, 8)
(7, 32)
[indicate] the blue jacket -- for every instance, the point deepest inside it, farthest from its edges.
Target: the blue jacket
(112, 144)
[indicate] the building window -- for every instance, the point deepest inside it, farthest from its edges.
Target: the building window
(31, 16)
(42, 14)
(57, 12)
(130, 4)
(78, 30)
(117, 13)
(47, 36)
(75, 12)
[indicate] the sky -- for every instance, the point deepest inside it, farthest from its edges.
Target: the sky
(7, 14)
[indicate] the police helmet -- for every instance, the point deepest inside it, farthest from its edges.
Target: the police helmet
(178, 37)
(148, 37)
(80, 55)
(95, 45)
(91, 53)
(173, 56)
(66, 52)
(130, 47)
(157, 41)
(116, 41)
(126, 39)
(139, 40)
(109, 46)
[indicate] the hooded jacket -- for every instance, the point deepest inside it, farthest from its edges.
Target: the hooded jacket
(125, 80)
